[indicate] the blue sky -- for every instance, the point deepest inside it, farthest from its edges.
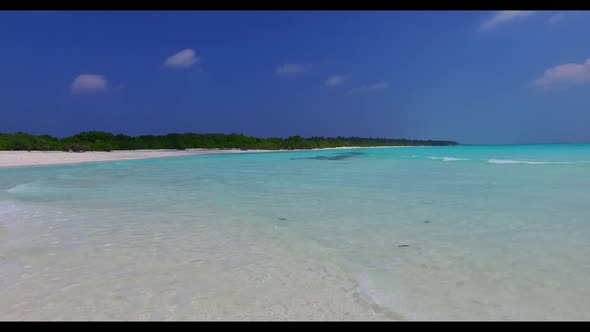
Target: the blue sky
(471, 76)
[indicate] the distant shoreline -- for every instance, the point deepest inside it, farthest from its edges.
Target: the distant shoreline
(105, 141)
(10, 159)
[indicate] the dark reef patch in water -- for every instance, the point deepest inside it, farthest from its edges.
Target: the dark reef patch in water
(337, 156)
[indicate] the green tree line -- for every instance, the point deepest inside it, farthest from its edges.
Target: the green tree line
(104, 141)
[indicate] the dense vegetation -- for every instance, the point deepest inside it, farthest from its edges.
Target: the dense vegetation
(103, 141)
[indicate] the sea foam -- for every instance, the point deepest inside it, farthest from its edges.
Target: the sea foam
(24, 188)
(510, 161)
(447, 158)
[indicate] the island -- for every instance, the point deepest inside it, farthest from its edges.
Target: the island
(105, 141)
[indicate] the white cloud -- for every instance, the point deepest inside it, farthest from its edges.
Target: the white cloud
(377, 86)
(504, 16)
(182, 59)
(556, 18)
(569, 73)
(337, 80)
(89, 83)
(290, 69)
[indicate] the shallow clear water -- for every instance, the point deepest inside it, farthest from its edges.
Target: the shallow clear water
(452, 233)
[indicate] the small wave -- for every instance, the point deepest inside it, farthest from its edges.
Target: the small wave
(528, 162)
(37, 191)
(447, 158)
(23, 188)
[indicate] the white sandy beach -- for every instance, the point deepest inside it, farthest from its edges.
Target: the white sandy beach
(41, 158)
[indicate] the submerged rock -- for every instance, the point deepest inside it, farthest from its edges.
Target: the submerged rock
(338, 156)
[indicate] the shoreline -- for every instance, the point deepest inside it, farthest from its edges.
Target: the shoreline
(11, 159)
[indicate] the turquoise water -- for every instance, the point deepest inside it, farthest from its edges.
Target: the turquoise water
(465, 232)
